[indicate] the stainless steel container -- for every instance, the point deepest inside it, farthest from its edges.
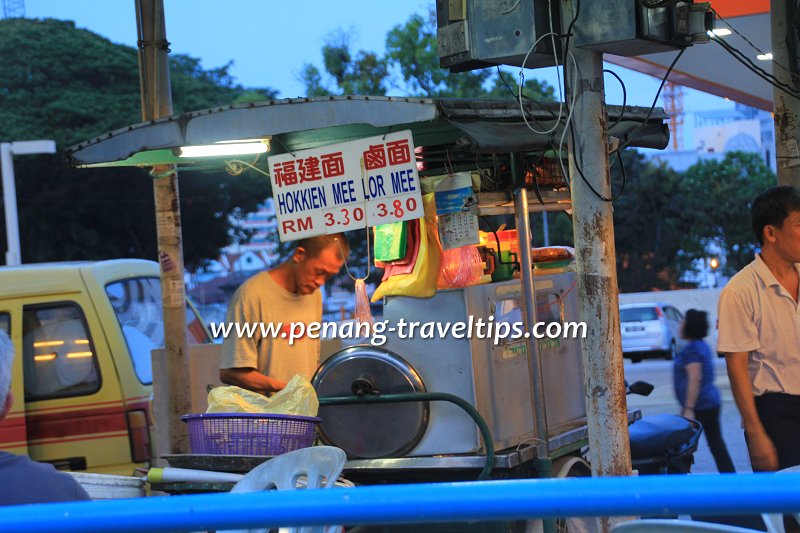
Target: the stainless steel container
(492, 376)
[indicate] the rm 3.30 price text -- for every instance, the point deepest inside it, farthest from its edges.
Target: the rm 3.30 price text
(381, 211)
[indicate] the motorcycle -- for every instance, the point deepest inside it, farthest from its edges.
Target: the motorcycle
(664, 443)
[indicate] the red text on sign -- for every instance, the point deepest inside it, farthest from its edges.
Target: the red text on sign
(298, 225)
(332, 165)
(285, 174)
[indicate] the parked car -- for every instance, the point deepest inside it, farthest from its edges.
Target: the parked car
(650, 330)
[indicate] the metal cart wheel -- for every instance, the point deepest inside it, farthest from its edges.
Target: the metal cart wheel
(573, 466)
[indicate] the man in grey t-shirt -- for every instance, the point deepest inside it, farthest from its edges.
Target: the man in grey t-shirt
(284, 295)
(23, 480)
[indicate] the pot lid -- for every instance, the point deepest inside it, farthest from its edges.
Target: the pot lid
(370, 430)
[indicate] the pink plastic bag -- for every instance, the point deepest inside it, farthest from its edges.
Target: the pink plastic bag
(461, 267)
(362, 311)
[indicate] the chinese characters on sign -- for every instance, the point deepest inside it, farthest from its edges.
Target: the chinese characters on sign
(346, 186)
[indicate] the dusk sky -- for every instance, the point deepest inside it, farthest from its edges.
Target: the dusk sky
(269, 41)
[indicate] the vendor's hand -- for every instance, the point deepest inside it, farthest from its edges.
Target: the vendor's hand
(763, 455)
(687, 412)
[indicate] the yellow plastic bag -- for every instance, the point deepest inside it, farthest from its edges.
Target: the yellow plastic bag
(298, 398)
(421, 282)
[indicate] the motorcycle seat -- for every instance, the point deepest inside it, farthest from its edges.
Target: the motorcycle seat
(660, 435)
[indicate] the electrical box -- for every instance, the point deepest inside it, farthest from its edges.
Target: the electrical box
(482, 33)
(629, 28)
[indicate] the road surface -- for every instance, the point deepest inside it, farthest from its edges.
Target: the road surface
(662, 400)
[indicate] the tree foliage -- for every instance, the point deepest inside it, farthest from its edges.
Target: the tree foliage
(410, 64)
(724, 193)
(655, 233)
(345, 72)
(66, 84)
(667, 220)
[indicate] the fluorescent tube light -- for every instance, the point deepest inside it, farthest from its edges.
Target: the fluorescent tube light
(719, 32)
(223, 149)
(764, 57)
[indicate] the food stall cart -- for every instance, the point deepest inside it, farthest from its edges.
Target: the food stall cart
(516, 389)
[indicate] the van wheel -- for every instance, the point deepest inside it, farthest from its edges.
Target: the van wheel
(670, 354)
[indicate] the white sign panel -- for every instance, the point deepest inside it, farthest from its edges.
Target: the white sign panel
(346, 186)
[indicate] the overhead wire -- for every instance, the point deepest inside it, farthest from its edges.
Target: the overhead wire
(527, 98)
(630, 136)
(624, 96)
(522, 83)
(758, 71)
(752, 66)
(748, 41)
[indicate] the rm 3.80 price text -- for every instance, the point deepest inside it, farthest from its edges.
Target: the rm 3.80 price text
(393, 210)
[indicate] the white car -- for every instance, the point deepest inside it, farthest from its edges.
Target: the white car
(650, 329)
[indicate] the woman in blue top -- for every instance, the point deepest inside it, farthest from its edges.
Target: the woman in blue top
(694, 386)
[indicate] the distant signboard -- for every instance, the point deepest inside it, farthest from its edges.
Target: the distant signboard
(346, 186)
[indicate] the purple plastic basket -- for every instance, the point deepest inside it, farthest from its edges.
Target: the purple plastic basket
(249, 434)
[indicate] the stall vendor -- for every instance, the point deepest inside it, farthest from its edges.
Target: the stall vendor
(266, 356)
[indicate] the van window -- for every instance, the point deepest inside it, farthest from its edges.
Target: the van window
(58, 352)
(137, 304)
(5, 323)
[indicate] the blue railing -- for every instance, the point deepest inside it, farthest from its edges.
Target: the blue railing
(441, 502)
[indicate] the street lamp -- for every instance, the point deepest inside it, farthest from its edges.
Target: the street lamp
(714, 264)
(7, 151)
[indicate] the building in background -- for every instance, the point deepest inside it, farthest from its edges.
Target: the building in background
(743, 128)
(262, 250)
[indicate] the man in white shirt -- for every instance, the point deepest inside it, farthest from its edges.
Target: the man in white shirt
(759, 332)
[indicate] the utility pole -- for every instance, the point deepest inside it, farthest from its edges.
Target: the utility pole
(785, 108)
(156, 103)
(606, 405)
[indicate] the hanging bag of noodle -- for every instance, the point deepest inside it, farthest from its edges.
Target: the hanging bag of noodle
(421, 281)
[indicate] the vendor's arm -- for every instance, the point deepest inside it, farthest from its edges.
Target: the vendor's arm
(694, 373)
(250, 379)
(239, 358)
(763, 455)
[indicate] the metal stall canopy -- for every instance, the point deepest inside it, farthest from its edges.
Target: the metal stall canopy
(477, 126)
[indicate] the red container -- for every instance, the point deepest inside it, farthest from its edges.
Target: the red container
(508, 240)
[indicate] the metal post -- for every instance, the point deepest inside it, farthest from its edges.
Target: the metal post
(156, 103)
(545, 229)
(786, 108)
(7, 152)
(593, 228)
(13, 255)
(529, 305)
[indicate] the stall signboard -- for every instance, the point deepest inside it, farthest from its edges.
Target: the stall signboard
(346, 186)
